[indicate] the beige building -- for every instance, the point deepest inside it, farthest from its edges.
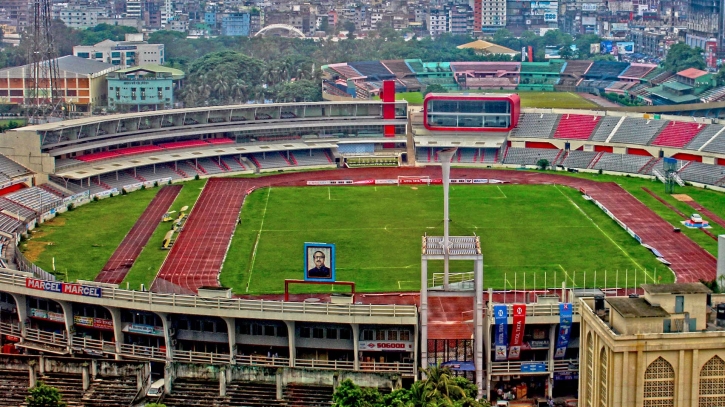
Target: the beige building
(656, 350)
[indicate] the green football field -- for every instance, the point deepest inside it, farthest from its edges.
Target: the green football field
(531, 235)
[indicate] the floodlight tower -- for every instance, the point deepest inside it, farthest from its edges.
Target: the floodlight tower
(469, 285)
(446, 155)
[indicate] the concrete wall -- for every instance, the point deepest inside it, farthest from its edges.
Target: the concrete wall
(24, 147)
(288, 375)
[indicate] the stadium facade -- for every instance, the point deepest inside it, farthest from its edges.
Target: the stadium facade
(97, 157)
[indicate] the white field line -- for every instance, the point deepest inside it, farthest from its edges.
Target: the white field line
(256, 242)
(604, 233)
(499, 188)
(567, 275)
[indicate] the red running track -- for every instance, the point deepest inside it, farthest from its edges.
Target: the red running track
(197, 256)
(126, 253)
(198, 253)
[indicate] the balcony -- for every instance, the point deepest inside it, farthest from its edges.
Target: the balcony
(514, 367)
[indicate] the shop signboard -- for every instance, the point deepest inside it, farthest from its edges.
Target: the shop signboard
(500, 313)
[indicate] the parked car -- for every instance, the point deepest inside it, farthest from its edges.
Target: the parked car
(262, 116)
(287, 115)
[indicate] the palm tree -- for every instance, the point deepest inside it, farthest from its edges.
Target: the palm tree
(439, 384)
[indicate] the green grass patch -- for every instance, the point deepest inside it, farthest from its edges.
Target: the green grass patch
(534, 232)
(152, 256)
(81, 241)
(551, 100)
(21, 121)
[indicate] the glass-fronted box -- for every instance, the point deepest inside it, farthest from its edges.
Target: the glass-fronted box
(445, 112)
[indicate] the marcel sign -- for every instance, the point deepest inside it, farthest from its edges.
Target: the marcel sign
(65, 288)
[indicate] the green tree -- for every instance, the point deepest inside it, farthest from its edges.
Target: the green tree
(349, 394)
(434, 89)
(720, 76)
(439, 384)
(542, 164)
(681, 56)
(44, 396)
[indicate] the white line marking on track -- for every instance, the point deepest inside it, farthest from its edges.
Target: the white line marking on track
(501, 190)
(329, 196)
(256, 242)
(603, 232)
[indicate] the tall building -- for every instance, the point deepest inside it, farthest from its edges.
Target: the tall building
(82, 18)
(235, 24)
(653, 350)
(493, 15)
(133, 8)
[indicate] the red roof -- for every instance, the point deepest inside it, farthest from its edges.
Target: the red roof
(692, 73)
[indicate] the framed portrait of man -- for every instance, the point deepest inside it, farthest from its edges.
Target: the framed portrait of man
(319, 262)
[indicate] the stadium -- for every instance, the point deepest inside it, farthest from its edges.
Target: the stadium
(213, 315)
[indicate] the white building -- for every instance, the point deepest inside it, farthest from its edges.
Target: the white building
(133, 8)
(437, 22)
(82, 18)
(131, 52)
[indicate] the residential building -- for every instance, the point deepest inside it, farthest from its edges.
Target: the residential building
(437, 21)
(147, 87)
(660, 349)
(235, 24)
(82, 18)
(493, 15)
(82, 83)
(131, 52)
(133, 9)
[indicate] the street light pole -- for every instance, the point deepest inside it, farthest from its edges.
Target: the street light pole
(446, 156)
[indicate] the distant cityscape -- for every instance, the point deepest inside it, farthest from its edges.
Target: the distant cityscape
(653, 26)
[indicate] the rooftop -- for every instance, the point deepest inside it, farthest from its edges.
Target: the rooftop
(692, 73)
(676, 288)
(636, 308)
(487, 47)
(153, 68)
(69, 66)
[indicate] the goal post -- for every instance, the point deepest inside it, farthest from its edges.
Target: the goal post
(413, 180)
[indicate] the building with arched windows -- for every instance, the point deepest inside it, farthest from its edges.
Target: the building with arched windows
(654, 350)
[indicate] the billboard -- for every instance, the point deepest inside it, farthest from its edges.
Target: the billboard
(589, 6)
(605, 47)
(625, 48)
(619, 26)
(319, 262)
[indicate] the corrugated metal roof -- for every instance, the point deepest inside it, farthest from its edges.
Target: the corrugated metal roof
(70, 66)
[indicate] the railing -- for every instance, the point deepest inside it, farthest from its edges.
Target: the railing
(144, 352)
(83, 342)
(465, 279)
(26, 265)
(566, 365)
(46, 337)
(543, 310)
(512, 366)
(325, 364)
(7, 328)
(257, 360)
(237, 304)
(404, 368)
(200, 357)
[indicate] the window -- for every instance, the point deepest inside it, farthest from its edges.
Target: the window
(304, 332)
(659, 384)
(405, 335)
(256, 329)
(282, 331)
(367, 335)
(345, 333)
(379, 335)
(392, 335)
(245, 329)
(712, 383)
(99, 55)
(195, 325)
(269, 330)
(331, 333)
(318, 333)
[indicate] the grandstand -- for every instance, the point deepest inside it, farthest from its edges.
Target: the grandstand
(677, 134)
(635, 72)
(374, 70)
(577, 127)
(606, 70)
(536, 125)
(636, 131)
(573, 72)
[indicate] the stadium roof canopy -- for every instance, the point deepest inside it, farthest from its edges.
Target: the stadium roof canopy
(485, 47)
(70, 67)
